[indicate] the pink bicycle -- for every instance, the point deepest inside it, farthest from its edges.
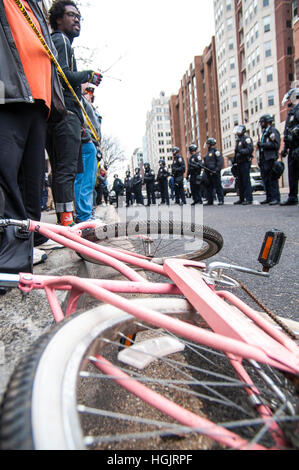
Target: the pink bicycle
(185, 365)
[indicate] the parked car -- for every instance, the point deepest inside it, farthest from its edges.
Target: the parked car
(228, 180)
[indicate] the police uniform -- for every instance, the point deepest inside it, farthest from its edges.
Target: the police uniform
(269, 147)
(178, 169)
(137, 188)
(242, 159)
(128, 188)
(149, 181)
(291, 142)
(213, 161)
(162, 178)
(194, 172)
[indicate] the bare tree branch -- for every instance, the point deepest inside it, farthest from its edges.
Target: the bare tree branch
(113, 155)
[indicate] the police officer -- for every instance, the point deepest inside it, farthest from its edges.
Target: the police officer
(149, 181)
(269, 146)
(162, 178)
(178, 170)
(213, 162)
(137, 187)
(291, 144)
(194, 172)
(128, 188)
(242, 160)
(118, 188)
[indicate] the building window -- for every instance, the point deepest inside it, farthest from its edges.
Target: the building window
(229, 24)
(270, 98)
(235, 101)
(267, 24)
(228, 5)
(269, 74)
(268, 49)
(266, 3)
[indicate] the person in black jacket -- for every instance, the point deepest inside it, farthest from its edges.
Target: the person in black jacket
(291, 145)
(194, 173)
(149, 181)
(128, 187)
(31, 95)
(178, 170)
(269, 146)
(162, 179)
(213, 162)
(242, 160)
(118, 188)
(64, 139)
(137, 187)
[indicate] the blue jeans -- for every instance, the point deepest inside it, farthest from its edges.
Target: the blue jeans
(85, 183)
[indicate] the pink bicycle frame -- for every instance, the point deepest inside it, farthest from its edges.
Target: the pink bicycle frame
(236, 329)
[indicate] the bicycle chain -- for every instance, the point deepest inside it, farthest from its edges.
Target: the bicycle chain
(271, 314)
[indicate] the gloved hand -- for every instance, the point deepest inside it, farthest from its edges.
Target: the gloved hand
(95, 78)
(284, 153)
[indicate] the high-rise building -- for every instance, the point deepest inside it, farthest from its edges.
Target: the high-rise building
(194, 111)
(158, 135)
(255, 63)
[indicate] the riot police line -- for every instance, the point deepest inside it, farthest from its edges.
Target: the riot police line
(204, 172)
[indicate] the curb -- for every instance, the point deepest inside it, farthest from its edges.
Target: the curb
(66, 262)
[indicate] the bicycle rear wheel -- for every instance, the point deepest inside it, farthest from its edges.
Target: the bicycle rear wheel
(58, 399)
(159, 240)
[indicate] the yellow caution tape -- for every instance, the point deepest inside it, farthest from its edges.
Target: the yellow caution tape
(59, 69)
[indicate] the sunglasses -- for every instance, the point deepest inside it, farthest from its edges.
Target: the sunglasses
(71, 14)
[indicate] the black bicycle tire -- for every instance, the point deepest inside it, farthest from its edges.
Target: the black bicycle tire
(212, 238)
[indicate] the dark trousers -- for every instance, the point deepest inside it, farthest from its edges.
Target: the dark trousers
(22, 166)
(64, 149)
(271, 184)
(195, 190)
(179, 192)
(163, 186)
(138, 195)
(293, 166)
(214, 184)
(245, 190)
(150, 192)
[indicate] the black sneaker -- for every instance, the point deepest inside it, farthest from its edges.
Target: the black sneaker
(289, 203)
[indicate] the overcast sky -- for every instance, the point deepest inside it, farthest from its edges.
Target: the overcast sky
(153, 43)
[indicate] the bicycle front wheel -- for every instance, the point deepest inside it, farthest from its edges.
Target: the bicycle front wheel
(159, 240)
(58, 398)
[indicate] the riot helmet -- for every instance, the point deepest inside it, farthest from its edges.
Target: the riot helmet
(277, 169)
(291, 97)
(193, 148)
(240, 130)
(265, 120)
(175, 150)
(211, 142)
